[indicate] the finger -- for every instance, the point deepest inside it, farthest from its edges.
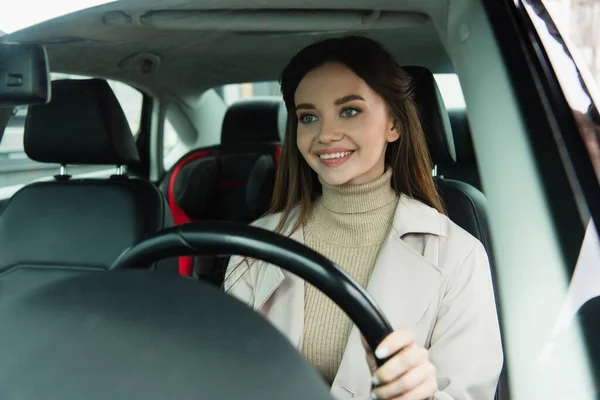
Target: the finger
(370, 356)
(394, 342)
(422, 374)
(364, 343)
(425, 390)
(408, 358)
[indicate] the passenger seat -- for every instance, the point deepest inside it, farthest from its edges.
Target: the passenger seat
(70, 223)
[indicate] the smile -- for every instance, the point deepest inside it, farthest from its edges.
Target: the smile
(335, 159)
(330, 156)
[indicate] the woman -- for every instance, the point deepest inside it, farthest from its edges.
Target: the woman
(355, 184)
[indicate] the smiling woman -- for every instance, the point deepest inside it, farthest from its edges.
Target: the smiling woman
(354, 184)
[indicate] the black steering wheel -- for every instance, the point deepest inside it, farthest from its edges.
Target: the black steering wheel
(69, 333)
(205, 238)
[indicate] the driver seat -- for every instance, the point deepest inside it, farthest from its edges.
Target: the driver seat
(465, 204)
(72, 223)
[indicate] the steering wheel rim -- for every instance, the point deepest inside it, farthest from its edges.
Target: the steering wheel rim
(209, 238)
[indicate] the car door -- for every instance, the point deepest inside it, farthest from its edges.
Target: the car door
(559, 99)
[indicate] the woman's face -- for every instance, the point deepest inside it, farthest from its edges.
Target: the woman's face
(343, 125)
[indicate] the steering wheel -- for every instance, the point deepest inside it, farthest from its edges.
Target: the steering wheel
(204, 238)
(69, 333)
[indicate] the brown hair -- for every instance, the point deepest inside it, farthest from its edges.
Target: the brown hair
(296, 183)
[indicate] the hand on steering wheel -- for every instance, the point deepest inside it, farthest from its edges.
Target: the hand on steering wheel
(407, 375)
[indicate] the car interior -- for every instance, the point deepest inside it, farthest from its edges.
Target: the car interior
(176, 53)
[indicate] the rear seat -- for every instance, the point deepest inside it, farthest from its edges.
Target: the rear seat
(232, 181)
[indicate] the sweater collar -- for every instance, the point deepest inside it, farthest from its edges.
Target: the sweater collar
(361, 198)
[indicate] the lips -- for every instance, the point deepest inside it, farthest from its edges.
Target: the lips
(334, 157)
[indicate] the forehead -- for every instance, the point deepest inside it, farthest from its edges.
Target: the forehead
(329, 82)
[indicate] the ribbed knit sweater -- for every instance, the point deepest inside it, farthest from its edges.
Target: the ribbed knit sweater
(348, 225)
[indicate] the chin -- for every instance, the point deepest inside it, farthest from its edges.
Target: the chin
(337, 178)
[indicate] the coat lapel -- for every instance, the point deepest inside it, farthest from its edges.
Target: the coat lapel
(270, 276)
(279, 294)
(403, 284)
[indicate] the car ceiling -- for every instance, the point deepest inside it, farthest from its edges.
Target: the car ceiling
(111, 41)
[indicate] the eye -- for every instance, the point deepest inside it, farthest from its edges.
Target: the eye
(308, 118)
(350, 112)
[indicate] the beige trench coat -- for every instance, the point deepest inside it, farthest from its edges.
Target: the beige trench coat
(430, 276)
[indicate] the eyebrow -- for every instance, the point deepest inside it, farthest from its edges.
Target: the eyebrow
(348, 98)
(337, 102)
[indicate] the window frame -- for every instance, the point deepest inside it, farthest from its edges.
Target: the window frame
(567, 182)
(567, 133)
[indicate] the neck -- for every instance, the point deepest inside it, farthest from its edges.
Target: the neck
(361, 198)
(354, 215)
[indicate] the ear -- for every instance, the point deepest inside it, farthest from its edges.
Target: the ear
(393, 131)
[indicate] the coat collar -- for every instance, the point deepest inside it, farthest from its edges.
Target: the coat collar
(411, 216)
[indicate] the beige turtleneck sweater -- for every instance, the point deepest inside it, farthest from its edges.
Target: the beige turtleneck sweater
(348, 225)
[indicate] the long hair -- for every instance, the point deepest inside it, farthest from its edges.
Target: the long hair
(296, 184)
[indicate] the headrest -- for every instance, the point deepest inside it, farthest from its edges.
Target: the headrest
(83, 124)
(257, 120)
(434, 116)
(462, 136)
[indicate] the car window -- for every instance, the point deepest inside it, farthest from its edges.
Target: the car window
(568, 31)
(578, 22)
(17, 169)
(238, 91)
(448, 83)
(173, 146)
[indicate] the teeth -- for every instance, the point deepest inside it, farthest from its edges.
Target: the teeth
(334, 155)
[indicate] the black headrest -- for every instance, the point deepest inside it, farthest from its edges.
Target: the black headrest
(257, 120)
(462, 136)
(434, 116)
(83, 124)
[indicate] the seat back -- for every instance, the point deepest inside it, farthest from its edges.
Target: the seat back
(79, 223)
(232, 181)
(465, 204)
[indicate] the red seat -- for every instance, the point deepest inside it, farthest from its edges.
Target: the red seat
(232, 181)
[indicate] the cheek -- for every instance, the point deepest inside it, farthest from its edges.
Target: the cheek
(374, 132)
(303, 142)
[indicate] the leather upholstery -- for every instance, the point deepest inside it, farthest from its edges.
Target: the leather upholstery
(434, 117)
(82, 124)
(465, 168)
(257, 120)
(80, 223)
(234, 182)
(196, 188)
(465, 204)
(260, 186)
(467, 207)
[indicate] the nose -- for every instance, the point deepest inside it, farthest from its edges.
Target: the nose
(329, 132)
